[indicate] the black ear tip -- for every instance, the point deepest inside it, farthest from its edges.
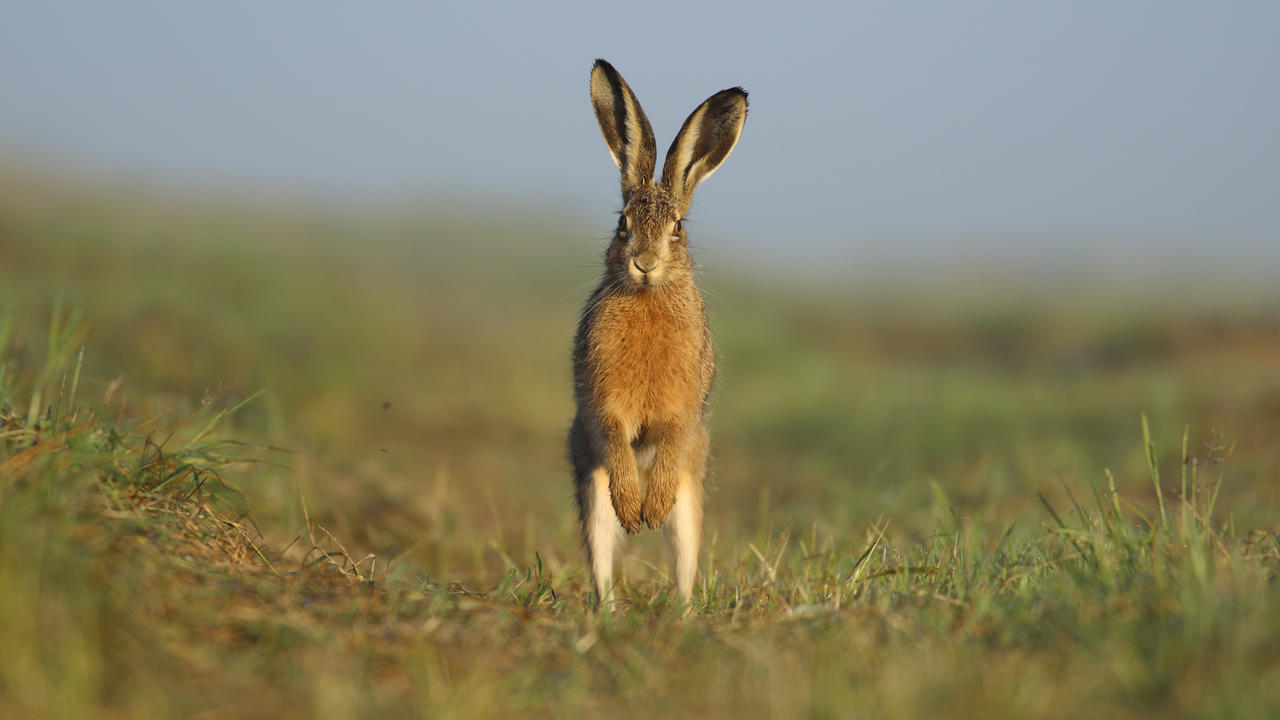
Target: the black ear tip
(602, 66)
(733, 92)
(728, 98)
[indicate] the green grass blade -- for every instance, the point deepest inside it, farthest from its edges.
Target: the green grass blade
(222, 415)
(1154, 469)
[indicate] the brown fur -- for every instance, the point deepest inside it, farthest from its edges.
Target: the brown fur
(643, 356)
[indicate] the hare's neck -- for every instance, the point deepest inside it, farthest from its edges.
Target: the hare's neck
(673, 295)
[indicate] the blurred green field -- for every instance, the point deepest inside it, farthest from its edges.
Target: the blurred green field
(891, 527)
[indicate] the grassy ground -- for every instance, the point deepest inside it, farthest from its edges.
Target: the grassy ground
(269, 463)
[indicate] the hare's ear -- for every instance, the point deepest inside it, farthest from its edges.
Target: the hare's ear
(704, 141)
(626, 130)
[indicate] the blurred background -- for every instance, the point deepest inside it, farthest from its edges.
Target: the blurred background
(960, 248)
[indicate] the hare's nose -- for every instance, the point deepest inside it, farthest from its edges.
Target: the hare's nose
(645, 262)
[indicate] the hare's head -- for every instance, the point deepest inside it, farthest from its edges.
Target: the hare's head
(650, 247)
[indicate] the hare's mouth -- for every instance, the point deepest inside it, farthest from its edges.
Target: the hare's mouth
(653, 277)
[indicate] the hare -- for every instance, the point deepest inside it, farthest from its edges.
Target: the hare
(643, 359)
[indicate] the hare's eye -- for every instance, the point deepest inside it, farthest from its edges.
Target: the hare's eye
(622, 222)
(679, 226)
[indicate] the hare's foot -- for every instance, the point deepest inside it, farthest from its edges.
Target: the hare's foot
(626, 503)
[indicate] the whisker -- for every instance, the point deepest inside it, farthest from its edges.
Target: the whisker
(712, 294)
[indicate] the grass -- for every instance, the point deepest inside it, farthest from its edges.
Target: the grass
(264, 471)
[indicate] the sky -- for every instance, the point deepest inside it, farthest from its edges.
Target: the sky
(929, 129)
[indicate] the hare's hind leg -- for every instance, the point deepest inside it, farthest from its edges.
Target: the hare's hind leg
(600, 532)
(600, 527)
(684, 532)
(684, 523)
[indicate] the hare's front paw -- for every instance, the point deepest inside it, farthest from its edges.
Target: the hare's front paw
(626, 503)
(656, 506)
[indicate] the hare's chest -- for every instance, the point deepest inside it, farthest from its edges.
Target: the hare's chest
(648, 365)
